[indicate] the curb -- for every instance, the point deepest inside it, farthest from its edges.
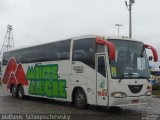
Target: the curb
(155, 96)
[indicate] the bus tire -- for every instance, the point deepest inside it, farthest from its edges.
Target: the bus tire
(80, 99)
(20, 92)
(14, 91)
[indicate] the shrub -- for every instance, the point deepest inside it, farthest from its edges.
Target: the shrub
(156, 86)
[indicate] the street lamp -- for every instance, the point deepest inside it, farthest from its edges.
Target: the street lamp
(118, 25)
(129, 7)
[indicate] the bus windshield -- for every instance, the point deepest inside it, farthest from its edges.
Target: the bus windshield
(130, 61)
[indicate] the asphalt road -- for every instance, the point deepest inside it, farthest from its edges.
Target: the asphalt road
(39, 106)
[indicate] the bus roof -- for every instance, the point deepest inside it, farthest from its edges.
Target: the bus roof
(122, 38)
(76, 38)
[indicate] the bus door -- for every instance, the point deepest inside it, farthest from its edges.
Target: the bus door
(101, 80)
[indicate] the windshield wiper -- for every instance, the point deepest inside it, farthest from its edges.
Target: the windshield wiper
(122, 76)
(126, 74)
(143, 77)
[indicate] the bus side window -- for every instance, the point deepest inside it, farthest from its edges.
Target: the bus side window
(41, 53)
(99, 48)
(5, 58)
(84, 51)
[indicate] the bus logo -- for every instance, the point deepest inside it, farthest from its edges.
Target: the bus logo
(78, 69)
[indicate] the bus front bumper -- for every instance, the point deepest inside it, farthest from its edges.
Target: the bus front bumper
(129, 101)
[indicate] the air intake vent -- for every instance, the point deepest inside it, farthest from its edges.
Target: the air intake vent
(135, 88)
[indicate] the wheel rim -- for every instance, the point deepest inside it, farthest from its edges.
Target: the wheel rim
(19, 94)
(14, 91)
(80, 98)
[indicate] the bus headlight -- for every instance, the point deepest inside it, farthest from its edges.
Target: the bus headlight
(148, 93)
(118, 95)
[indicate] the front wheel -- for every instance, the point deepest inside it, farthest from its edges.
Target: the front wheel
(14, 91)
(80, 99)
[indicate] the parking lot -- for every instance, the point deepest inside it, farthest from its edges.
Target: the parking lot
(39, 106)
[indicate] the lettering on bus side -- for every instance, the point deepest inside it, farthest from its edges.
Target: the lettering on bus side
(44, 81)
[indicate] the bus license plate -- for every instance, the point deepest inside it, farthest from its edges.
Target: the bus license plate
(135, 101)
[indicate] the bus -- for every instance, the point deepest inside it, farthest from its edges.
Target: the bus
(85, 70)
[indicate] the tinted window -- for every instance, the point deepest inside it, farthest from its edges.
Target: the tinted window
(47, 52)
(84, 51)
(101, 65)
(5, 59)
(99, 48)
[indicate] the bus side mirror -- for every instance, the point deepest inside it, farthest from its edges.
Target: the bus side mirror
(155, 55)
(110, 46)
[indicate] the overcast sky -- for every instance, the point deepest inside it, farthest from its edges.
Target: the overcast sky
(37, 21)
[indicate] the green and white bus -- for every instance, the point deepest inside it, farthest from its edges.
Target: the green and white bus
(95, 70)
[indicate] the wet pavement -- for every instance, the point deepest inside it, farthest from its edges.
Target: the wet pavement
(39, 106)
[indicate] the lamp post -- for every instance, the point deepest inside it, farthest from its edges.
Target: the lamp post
(129, 7)
(118, 25)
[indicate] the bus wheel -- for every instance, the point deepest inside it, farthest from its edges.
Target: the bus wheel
(80, 99)
(20, 92)
(14, 91)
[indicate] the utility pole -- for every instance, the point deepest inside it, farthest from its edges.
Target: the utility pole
(8, 40)
(118, 25)
(129, 7)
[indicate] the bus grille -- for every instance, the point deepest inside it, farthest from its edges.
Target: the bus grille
(135, 88)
